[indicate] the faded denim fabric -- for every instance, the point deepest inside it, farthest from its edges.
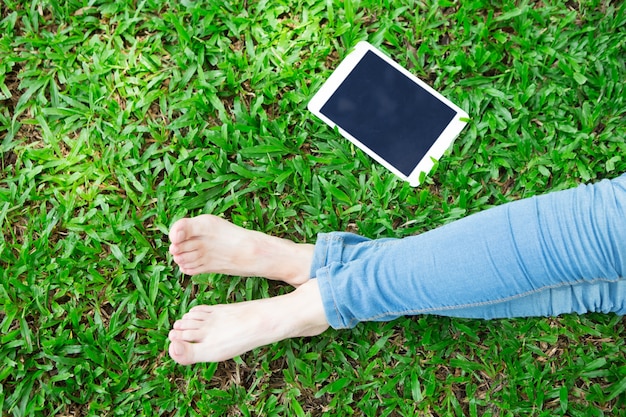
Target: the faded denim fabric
(557, 253)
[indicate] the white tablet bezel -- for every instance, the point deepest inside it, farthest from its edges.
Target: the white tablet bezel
(436, 150)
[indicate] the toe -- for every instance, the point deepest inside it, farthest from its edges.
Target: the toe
(186, 258)
(174, 335)
(186, 325)
(203, 308)
(189, 271)
(192, 244)
(181, 352)
(178, 231)
(194, 317)
(189, 264)
(192, 336)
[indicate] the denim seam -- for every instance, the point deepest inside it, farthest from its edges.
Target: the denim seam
(353, 322)
(371, 243)
(340, 239)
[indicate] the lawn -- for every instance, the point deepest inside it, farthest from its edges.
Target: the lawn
(117, 118)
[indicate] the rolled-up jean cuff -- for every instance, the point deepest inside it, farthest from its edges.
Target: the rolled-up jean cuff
(321, 253)
(333, 316)
(328, 250)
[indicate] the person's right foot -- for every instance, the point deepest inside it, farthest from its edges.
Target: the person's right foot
(221, 332)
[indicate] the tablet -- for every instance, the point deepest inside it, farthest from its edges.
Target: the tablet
(396, 118)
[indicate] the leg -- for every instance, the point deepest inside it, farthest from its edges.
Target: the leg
(558, 253)
(514, 251)
(210, 244)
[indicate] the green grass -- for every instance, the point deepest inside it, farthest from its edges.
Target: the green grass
(117, 118)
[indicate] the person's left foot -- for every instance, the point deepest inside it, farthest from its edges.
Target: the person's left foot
(221, 332)
(208, 243)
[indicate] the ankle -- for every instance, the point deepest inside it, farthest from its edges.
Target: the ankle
(285, 260)
(308, 311)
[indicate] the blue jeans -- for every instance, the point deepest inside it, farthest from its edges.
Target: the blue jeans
(562, 252)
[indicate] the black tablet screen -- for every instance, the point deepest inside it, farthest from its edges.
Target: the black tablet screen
(388, 113)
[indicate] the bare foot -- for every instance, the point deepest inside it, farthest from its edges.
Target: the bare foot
(210, 244)
(221, 332)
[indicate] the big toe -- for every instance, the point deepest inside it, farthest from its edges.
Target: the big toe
(181, 352)
(179, 231)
